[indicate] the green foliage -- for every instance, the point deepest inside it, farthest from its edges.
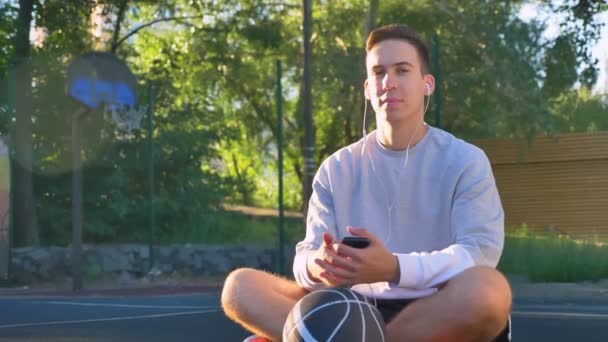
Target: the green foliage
(582, 26)
(560, 63)
(116, 185)
(231, 228)
(213, 75)
(490, 67)
(554, 258)
(579, 111)
(7, 33)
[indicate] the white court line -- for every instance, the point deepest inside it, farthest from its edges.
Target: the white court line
(550, 314)
(20, 325)
(128, 305)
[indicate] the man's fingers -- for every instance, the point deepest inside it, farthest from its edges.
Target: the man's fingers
(338, 272)
(362, 232)
(333, 280)
(338, 260)
(327, 239)
(358, 231)
(348, 251)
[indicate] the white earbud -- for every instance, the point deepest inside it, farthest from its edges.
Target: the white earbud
(428, 88)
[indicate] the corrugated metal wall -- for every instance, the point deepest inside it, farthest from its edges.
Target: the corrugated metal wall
(558, 183)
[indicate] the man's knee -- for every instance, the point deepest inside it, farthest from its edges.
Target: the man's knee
(235, 288)
(492, 292)
(485, 295)
(246, 285)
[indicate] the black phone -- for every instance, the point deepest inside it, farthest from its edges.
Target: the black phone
(356, 241)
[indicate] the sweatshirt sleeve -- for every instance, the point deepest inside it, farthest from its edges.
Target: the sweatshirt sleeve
(320, 218)
(477, 220)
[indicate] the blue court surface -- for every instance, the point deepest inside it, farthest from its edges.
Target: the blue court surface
(192, 317)
(198, 317)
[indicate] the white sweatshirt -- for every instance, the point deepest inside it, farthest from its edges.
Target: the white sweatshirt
(439, 215)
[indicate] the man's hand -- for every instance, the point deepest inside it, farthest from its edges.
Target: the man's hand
(336, 264)
(327, 266)
(371, 264)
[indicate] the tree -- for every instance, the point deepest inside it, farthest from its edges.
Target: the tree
(582, 27)
(7, 37)
(212, 66)
(26, 220)
(579, 111)
(560, 68)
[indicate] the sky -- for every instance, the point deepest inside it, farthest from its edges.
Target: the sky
(600, 51)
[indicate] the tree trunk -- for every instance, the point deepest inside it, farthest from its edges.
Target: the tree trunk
(26, 221)
(370, 18)
(122, 8)
(306, 95)
(370, 24)
(242, 182)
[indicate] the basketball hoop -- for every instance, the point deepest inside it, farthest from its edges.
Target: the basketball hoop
(126, 118)
(96, 79)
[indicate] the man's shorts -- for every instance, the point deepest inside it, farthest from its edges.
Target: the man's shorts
(389, 308)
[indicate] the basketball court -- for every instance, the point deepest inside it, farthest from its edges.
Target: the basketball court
(182, 317)
(198, 317)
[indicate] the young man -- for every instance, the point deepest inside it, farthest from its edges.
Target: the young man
(427, 202)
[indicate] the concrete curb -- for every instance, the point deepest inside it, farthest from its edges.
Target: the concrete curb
(591, 293)
(587, 293)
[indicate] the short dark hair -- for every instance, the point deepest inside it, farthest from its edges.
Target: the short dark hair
(402, 32)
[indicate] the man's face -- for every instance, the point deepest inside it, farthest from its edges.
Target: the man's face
(395, 84)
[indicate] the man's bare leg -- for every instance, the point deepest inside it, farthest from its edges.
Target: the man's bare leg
(473, 306)
(260, 301)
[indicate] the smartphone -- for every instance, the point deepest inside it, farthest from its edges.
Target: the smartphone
(356, 241)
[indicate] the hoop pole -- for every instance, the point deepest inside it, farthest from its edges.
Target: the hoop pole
(11, 188)
(151, 209)
(279, 100)
(77, 199)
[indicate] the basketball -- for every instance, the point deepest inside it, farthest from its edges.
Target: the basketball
(337, 315)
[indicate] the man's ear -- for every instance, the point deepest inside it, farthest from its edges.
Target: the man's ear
(366, 90)
(429, 81)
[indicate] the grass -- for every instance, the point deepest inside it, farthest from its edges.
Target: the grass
(235, 228)
(538, 257)
(553, 258)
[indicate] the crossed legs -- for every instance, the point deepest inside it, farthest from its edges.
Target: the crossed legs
(473, 306)
(260, 301)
